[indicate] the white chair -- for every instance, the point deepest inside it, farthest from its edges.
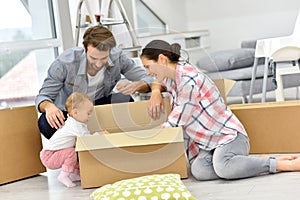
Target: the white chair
(275, 50)
(289, 53)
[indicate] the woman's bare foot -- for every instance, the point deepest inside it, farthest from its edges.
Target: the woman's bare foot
(288, 157)
(295, 164)
(264, 156)
(285, 164)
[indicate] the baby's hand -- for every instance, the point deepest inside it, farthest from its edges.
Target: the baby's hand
(101, 132)
(104, 132)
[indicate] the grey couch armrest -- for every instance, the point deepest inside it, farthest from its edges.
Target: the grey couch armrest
(252, 44)
(248, 44)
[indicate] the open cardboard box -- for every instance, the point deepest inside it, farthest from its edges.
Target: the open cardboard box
(272, 127)
(20, 144)
(224, 86)
(134, 147)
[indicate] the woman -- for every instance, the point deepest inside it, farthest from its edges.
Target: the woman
(217, 145)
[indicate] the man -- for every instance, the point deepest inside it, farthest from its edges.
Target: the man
(94, 70)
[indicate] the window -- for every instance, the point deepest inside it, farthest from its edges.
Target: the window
(147, 21)
(28, 45)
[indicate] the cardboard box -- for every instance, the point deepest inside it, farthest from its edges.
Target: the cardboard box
(133, 148)
(272, 127)
(20, 144)
(224, 86)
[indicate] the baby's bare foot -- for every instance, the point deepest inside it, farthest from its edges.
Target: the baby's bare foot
(65, 179)
(74, 177)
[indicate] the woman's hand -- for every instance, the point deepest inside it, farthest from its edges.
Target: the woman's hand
(156, 105)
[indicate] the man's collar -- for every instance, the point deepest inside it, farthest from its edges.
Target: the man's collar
(83, 65)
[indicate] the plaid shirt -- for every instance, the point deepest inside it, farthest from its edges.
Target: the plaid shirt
(199, 108)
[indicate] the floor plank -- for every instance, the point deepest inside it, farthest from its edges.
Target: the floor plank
(267, 187)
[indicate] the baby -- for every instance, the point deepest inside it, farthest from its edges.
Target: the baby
(59, 151)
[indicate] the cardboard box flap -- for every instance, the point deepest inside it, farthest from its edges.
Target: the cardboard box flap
(266, 105)
(20, 144)
(224, 86)
(125, 117)
(134, 138)
(134, 147)
(272, 127)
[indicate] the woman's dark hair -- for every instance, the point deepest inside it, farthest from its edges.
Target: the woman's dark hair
(100, 37)
(156, 47)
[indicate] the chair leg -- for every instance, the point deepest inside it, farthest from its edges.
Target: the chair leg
(244, 100)
(279, 93)
(273, 65)
(253, 77)
(264, 87)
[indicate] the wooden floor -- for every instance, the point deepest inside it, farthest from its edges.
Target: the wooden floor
(281, 186)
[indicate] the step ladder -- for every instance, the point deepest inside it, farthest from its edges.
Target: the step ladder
(109, 22)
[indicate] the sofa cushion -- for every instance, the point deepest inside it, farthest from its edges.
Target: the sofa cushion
(227, 60)
(238, 74)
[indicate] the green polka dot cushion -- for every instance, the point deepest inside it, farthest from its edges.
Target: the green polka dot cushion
(152, 187)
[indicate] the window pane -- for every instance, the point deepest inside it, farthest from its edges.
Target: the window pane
(148, 22)
(30, 20)
(15, 23)
(21, 83)
(26, 25)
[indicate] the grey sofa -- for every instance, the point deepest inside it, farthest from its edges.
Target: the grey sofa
(236, 64)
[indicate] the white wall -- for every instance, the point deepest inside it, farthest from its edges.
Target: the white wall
(232, 21)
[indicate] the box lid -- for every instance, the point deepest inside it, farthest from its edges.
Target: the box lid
(224, 86)
(132, 138)
(265, 105)
(124, 117)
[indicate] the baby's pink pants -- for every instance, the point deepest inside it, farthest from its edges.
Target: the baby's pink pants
(66, 159)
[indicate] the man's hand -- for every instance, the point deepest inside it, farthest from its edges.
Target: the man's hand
(54, 115)
(129, 88)
(126, 87)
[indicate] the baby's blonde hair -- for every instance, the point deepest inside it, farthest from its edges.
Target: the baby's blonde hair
(75, 99)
